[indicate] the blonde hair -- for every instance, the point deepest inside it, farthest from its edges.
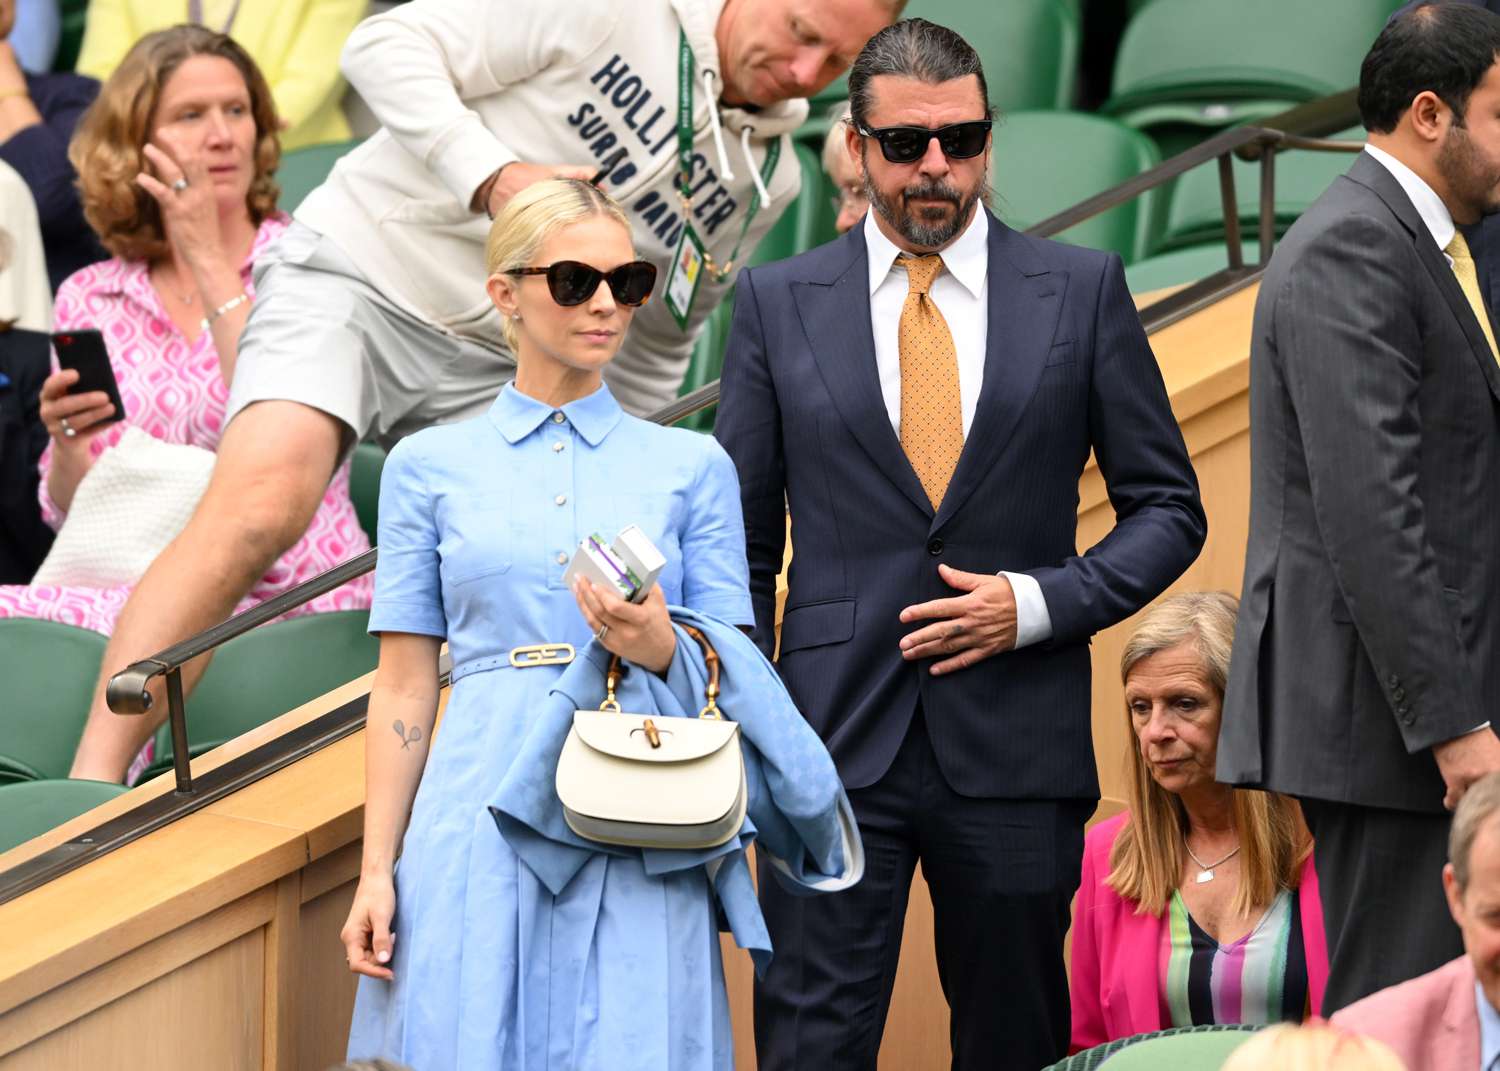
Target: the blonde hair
(1148, 854)
(534, 215)
(1313, 1046)
(1480, 803)
(106, 149)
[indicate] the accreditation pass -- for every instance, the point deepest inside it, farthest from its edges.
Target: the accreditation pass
(685, 275)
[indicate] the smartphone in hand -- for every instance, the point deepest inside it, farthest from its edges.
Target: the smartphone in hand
(83, 350)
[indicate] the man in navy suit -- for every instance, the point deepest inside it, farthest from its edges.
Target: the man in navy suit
(923, 394)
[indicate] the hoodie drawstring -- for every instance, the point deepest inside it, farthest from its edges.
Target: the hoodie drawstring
(713, 122)
(760, 185)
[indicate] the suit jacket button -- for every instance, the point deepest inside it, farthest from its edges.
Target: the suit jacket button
(1404, 712)
(1393, 680)
(1399, 694)
(934, 547)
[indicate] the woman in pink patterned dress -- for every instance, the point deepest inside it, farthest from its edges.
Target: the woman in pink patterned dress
(176, 158)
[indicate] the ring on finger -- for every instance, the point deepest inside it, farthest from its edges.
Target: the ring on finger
(601, 633)
(67, 429)
(180, 185)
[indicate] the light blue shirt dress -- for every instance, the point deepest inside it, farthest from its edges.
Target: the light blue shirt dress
(478, 521)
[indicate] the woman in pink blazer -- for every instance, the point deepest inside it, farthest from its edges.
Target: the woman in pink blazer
(1199, 904)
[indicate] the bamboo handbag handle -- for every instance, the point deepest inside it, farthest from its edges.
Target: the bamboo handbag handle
(711, 692)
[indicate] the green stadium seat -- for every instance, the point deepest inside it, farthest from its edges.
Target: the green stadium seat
(49, 672)
(74, 17)
(28, 810)
(364, 485)
(303, 170)
(1182, 266)
(1209, 64)
(807, 221)
(708, 362)
(1183, 1048)
(267, 672)
(1045, 162)
(1195, 210)
(1029, 47)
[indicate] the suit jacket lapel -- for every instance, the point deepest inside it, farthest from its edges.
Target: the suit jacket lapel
(1371, 173)
(835, 318)
(1025, 300)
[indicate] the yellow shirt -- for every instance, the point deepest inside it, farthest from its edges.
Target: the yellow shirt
(296, 44)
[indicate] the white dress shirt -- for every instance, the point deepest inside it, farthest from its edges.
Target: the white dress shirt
(961, 295)
(1429, 205)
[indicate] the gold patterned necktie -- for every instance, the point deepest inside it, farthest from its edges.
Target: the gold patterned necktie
(1468, 282)
(932, 430)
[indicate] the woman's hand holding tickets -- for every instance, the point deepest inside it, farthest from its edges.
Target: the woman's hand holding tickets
(640, 633)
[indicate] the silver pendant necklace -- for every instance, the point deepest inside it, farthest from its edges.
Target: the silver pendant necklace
(1206, 870)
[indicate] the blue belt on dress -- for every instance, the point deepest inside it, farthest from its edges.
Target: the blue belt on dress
(524, 657)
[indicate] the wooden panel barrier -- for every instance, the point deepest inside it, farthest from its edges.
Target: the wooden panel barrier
(214, 942)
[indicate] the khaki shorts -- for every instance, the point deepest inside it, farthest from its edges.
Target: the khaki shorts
(321, 334)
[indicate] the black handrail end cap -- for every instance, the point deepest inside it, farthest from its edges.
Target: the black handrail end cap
(127, 691)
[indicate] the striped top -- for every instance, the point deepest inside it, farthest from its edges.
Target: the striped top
(1257, 980)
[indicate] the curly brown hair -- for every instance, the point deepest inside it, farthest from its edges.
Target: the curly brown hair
(106, 149)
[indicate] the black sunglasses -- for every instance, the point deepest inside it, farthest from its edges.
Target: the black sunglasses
(907, 144)
(573, 283)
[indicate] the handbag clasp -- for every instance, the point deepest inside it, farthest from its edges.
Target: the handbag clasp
(541, 654)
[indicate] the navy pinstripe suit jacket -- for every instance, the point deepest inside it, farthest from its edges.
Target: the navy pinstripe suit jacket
(1067, 370)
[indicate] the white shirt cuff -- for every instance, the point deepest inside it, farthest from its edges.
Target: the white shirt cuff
(1033, 622)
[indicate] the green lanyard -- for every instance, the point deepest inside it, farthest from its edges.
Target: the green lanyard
(685, 159)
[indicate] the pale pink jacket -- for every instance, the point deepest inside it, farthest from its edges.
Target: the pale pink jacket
(1431, 1021)
(1116, 989)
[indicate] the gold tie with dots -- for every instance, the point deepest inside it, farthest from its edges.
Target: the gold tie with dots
(932, 427)
(1468, 282)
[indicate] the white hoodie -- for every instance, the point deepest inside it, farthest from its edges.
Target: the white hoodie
(463, 86)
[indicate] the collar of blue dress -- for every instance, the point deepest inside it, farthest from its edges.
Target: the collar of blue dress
(516, 415)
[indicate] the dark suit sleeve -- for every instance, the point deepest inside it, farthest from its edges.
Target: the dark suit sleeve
(40, 153)
(1348, 342)
(748, 426)
(1159, 521)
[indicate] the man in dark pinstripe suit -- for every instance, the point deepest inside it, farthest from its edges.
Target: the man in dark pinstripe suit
(937, 627)
(1366, 664)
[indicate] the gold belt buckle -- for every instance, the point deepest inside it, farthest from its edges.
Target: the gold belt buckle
(541, 654)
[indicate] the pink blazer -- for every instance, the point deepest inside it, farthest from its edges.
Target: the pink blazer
(1116, 953)
(1431, 1021)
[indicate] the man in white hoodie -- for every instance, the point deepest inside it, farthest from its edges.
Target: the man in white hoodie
(371, 318)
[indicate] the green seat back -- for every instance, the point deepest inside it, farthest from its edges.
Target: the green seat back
(807, 221)
(364, 485)
(303, 170)
(31, 808)
(1182, 266)
(1195, 210)
(1029, 48)
(1045, 162)
(269, 671)
(74, 17)
(1185, 1048)
(1205, 50)
(708, 362)
(49, 672)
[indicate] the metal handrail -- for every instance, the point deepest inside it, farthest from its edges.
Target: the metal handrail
(128, 691)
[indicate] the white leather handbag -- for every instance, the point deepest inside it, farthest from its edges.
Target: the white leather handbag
(647, 781)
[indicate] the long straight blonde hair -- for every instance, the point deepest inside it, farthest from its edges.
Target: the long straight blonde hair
(1148, 855)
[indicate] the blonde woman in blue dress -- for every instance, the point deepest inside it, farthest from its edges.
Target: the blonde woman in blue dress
(464, 951)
